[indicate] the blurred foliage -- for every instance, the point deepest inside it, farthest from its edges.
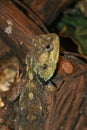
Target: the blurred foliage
(73, 24)
(82, 6)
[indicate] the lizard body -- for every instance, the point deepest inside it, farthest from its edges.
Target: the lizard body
(41, 65)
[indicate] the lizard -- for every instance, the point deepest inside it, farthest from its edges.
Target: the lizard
(41, 64)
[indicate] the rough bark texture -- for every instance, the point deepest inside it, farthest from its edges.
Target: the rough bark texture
(70, 108)
(4, 49)
(16, 30)
(47, 10)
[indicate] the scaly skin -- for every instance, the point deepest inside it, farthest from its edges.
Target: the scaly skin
(34, 98)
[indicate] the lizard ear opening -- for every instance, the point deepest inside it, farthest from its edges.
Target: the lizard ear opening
(44, 66)
(48, 46)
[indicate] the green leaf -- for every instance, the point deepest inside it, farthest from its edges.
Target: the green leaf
(76, 28)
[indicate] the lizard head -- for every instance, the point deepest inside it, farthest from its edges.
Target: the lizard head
(45, 55)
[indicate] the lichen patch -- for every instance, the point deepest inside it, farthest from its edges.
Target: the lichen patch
(31, 95)
(8, 29)
(31, 76)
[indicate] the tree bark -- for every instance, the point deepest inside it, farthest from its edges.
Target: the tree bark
(16, 30)
(47, 10)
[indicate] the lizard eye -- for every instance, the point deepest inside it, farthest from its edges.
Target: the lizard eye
(49, 47)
